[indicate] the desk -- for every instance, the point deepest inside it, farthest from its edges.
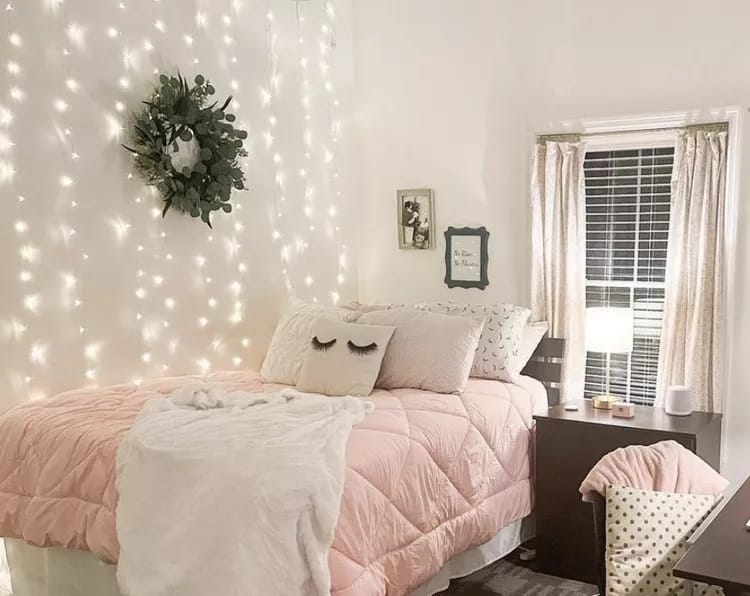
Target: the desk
(721, 555)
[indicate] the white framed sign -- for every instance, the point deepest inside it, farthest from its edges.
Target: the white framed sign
(466, 256)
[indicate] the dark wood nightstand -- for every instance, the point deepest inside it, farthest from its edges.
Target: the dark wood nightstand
(568, 444)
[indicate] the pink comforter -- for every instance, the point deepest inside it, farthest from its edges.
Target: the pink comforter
(428, 476)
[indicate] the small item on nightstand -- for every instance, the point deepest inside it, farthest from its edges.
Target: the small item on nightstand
(571, 406)
(603, 402)
(623, 409)
(679, 401)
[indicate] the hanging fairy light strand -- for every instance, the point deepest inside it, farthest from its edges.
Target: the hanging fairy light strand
(268, 95)
(306, 129)
(63, 103)
(327, 44)
(235, 244)
(28, 253)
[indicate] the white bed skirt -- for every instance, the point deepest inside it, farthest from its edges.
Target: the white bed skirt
(63, 572)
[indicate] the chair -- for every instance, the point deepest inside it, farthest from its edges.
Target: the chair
(599, 507)
(664, 467)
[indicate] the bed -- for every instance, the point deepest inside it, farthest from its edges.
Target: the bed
(436, 485)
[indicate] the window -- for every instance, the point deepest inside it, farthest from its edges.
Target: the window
(627, 232)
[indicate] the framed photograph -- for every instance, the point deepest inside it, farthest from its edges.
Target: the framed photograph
(416, 219)
(466, 256)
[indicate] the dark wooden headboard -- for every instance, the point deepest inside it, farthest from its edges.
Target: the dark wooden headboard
(546, 366)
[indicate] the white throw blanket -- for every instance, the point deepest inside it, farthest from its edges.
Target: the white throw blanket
(235, 500)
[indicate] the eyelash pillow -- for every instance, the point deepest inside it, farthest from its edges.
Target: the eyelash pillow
(429, 351)
(291, 340)
(343, 358)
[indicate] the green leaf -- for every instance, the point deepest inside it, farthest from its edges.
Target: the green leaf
(176, 132)
(200, 79)
(227, 208)
(186, 135)
(144, 132)
(210, 89)
(163, 79)
(186, 171)
(231, 117)
(167, 205)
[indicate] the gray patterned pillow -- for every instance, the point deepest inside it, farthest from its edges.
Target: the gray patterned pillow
(501, 337)
(646, 536)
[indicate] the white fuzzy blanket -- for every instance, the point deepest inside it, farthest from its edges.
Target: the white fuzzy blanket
(238, 499)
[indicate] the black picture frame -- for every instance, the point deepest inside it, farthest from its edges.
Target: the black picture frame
(453, 279)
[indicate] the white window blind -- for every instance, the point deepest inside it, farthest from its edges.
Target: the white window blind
(627, 232)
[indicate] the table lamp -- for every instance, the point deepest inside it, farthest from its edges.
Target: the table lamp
(608, 330)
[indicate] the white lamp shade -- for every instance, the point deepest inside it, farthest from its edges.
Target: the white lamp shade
(609, 330)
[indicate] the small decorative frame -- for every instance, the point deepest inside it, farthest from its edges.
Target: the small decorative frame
(466, 257)
(416, 219)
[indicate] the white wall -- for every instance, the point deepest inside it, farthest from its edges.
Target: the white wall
(76, 319)
(450, 93)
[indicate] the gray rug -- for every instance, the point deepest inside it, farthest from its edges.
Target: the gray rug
(506, 579)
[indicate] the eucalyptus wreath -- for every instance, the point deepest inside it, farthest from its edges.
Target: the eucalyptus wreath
(187, 148)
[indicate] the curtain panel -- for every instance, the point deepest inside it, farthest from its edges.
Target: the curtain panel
(558, 268)
(692, 350)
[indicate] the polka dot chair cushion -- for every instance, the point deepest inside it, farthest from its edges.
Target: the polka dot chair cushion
(646, 537)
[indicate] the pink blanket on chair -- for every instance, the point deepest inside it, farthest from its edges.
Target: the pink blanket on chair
(663, 467)
(428, 476)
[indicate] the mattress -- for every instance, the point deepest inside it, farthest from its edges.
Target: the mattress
(428, 476)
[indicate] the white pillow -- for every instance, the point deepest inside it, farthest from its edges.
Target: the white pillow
(291, 340)
(646, 536)
(500, 338)
(344, 358)
(428, 351)
(531, 337)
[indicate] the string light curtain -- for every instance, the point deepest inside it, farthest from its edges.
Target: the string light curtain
(558, 216)
(694, 333)
(99, 289)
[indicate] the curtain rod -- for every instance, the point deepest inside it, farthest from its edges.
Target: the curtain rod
(577, 136)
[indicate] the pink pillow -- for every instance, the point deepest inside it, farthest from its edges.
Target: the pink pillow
(428, 351)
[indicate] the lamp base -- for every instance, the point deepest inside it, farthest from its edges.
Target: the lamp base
(603, 402)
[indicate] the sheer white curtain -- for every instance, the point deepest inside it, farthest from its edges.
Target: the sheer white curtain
(692, 347)
(558, 269)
